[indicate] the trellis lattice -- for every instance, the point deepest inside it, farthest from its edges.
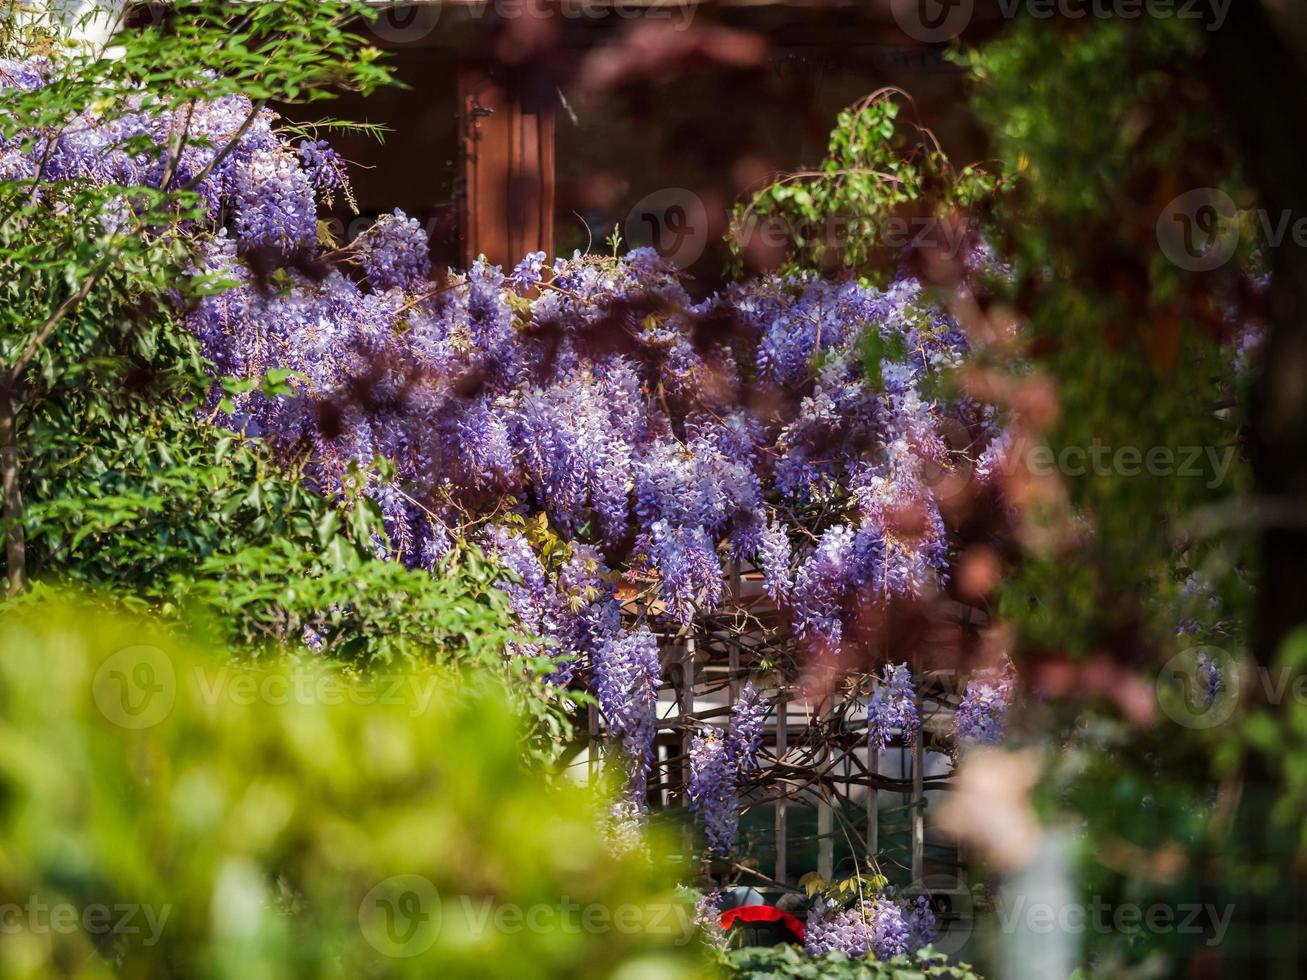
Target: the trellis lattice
(815, 760)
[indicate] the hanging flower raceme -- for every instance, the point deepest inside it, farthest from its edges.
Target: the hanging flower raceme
(712, 789)
(526, 274)
(981, 716)
(718, 764)
(745, 735)
(1209, 673)
(819, 589)
(394, 253)
(707, 918)
(893, 708)
(626, 677)
(922, 924)
(774, 555)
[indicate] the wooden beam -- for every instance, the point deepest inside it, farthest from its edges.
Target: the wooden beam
(873, 805)
(507, 205)
(918, 805)
(826, 814)
(782, 744)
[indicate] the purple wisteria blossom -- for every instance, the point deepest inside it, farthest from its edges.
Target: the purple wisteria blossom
(922, 925)
(626, 675)
(893, 707)
(611, 408)
(394, 253)
(745, 735)
(874, 926)
(712, 789)
(526, 274)
(981, 716)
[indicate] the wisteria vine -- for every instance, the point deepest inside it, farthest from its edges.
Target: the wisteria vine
(587, 422)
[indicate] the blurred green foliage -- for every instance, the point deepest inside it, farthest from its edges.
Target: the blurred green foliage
(284, 820)
(1103, 125)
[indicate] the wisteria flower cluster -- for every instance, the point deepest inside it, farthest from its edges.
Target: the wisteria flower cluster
(477, 406)
(655, 435)
(718, 764)
(981, 716)
(875, 926)
(1209, 674)
(893, 708)
(922, 925)
(261, 186)
(601, 412)
(712, 790)
(707, 918)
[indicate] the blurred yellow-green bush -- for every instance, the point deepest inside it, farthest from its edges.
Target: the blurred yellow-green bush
(167, 813)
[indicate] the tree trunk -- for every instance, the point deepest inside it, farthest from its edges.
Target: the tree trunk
(1262, 81)
(15, 536)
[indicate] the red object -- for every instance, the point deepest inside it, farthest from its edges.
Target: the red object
(761, 913)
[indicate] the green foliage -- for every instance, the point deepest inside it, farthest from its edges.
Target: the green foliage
(1103, 124)
(126, 484)
(845, 890)
(200, 528)
(255, 819)
(106, 380)
(883, 185)
(177, 515)
(790, 961)
(1132, 342)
